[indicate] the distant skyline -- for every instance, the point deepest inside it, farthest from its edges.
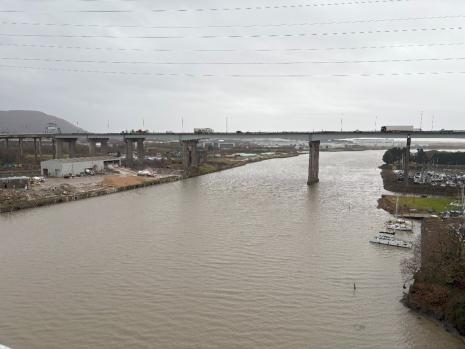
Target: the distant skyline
(264, 65)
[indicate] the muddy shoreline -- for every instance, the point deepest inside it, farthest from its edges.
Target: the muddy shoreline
(26, 202)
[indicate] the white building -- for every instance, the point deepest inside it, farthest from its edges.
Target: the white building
(77, 166)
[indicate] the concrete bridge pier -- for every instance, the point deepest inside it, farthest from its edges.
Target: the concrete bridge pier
(58, 148)
(129, 151)
(93, 145)
(407, 159)
(36, 158)
(314, 162)
(72, 148)
(20, 150)
(140, 150)
(104, 146)
(39, 149)
(190, 158)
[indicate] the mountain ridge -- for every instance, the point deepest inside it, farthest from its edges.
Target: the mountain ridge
(32, 121)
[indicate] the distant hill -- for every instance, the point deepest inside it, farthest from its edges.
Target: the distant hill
(30, 121)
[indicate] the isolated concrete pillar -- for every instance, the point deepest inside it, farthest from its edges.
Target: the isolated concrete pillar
(314, 163)
(72, 148)
(92, 147)
(140, 150)
(20, 150)
(407, 159)
(58, 148)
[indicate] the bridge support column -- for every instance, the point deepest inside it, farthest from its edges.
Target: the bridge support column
(407, 160)
(104, 146)
(7, 143)
(129, 151)
(72, 148)
(58, 148)
(190, 158)
(35, 150)
(92, 147)
(20, 150)
(314, 162)
(140, 150)
(40, 148)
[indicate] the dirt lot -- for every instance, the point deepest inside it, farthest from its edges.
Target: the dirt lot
(122, 181)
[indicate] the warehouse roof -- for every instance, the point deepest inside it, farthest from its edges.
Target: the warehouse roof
(87, 159)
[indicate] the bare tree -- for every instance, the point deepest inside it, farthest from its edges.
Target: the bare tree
(410, 266)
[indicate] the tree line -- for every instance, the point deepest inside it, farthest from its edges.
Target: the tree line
(395, 155)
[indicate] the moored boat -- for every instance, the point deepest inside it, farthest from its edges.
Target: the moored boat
(390, 241)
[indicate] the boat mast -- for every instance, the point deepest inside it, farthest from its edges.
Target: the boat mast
(463, 199)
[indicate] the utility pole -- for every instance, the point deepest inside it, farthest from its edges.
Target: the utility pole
(421, 120)
(432, 123)
(226, 124)
(341, 125)
(376, 123)
(182, 125)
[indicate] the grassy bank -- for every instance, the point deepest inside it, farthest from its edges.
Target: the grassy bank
(416, 204)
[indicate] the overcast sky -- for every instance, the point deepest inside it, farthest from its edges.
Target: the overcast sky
(103, 63)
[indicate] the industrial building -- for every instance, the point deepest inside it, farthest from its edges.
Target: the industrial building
(77, 166)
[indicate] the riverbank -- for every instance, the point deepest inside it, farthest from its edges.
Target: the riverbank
(57, 190)
(437, 266)
(438, 289)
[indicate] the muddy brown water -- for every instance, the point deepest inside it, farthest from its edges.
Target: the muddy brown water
(246, 258)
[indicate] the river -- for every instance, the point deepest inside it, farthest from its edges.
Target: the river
(246, 258)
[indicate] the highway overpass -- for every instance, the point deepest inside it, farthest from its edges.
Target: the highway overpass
(189, 142)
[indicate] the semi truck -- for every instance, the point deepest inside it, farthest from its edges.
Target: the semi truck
(393, 129)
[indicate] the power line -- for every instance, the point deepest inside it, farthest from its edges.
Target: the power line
(392, 74)
(247, 8)
(295, 49)
(343, 33)
(355, 21)
(407, 60)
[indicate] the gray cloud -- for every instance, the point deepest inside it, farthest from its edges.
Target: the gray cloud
(317, 100)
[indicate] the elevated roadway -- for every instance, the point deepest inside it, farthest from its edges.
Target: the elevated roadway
(135, 141)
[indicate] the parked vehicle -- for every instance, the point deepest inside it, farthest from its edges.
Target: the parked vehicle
(203, 131)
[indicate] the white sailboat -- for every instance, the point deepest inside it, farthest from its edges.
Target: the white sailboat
(399, 224)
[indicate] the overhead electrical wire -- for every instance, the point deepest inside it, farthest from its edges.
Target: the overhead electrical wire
(266, 25)
(295, 49)
(383, 74)
(249, 36)
(246, 8)
(406, 60)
